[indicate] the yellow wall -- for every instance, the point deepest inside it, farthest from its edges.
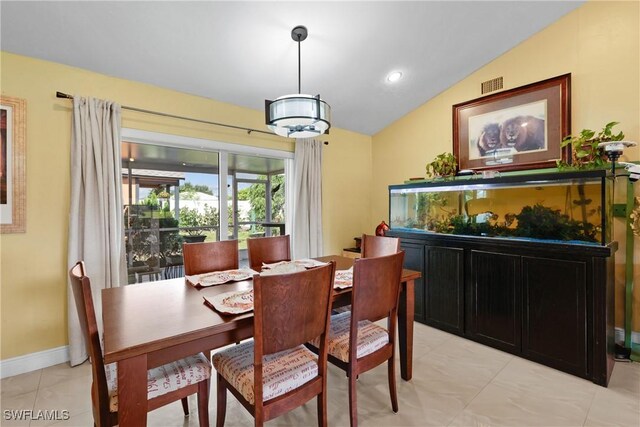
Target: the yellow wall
(33, 265)
(598, 43)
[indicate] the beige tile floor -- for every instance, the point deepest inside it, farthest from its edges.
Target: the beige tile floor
(456, 382)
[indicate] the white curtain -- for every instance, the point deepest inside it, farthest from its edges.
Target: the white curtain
(307, 217)
(95, 219)
(289, 196)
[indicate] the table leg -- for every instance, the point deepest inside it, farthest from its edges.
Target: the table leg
(132, 391)
(406, 311)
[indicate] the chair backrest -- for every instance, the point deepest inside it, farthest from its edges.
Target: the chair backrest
(376, 287)
(86, 313)
(210, 256)
(376, 246)
(291, 309)
(268, 250)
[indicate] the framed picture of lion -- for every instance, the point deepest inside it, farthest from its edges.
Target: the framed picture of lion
(516, 129)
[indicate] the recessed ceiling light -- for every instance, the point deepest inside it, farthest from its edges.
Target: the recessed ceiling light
(394, 76)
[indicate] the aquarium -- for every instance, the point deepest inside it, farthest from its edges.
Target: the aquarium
(561, 206)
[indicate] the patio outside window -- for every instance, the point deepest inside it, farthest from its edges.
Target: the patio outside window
(171, 196)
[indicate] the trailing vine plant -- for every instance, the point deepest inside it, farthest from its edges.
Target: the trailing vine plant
(443, 166)
(585, 153)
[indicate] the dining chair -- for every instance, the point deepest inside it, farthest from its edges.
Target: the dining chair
(375, 246)
(165, 384)
(210, 256)
(268, 250)
(275, 373)
(355, 343)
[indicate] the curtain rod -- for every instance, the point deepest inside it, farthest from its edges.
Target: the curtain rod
(140, 110)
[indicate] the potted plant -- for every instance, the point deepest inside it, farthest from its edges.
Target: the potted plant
(189, 220)
(585, 153)
(443, 166)
(170, 242)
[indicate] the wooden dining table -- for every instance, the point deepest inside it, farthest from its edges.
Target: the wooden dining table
(154, 323)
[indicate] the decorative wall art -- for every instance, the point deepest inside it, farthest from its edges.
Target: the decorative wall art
(517, 129)
(13, 197)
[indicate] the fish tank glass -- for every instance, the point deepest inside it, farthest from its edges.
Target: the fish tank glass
(570, 207)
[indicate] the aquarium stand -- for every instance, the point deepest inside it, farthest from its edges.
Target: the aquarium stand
(547, 302)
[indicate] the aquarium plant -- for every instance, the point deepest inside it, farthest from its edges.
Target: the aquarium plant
(537, 221)
(541, 222)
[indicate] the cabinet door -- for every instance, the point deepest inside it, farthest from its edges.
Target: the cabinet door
(555, 313)
(414, 260)
(496, 316)
(443, 283)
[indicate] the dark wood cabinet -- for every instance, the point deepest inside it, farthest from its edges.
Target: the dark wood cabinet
(555, 318)
(414, 260)
(495, 299)
(443, 292)
(549, 302)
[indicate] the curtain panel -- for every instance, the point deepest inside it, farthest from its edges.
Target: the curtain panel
(96, 233)
(307, 212)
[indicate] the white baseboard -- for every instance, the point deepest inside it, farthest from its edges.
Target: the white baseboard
(31, 362)
(635, 336)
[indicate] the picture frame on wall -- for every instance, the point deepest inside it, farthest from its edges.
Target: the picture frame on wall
(13, 188)
(517, 129)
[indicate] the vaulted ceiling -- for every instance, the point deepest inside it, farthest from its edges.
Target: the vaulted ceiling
(242, 52)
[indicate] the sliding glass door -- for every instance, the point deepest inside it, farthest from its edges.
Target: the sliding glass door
(172, 195)
(257, 197)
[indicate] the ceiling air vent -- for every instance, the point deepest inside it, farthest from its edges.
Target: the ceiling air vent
(491, 85)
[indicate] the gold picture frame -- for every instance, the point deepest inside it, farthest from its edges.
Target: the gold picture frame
(13, 154)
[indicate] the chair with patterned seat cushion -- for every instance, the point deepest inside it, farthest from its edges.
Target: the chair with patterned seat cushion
(275, 372)
(371, 337)
(267, 250)
(210, 256)
(356, 344)
(165, 384)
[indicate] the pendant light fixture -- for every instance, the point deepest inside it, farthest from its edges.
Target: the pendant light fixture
(298, 115)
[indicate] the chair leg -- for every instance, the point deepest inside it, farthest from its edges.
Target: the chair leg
(185, 406)
(203, 402)
(322, 409)
(353, 409)
(221, 411)
(392, 384)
